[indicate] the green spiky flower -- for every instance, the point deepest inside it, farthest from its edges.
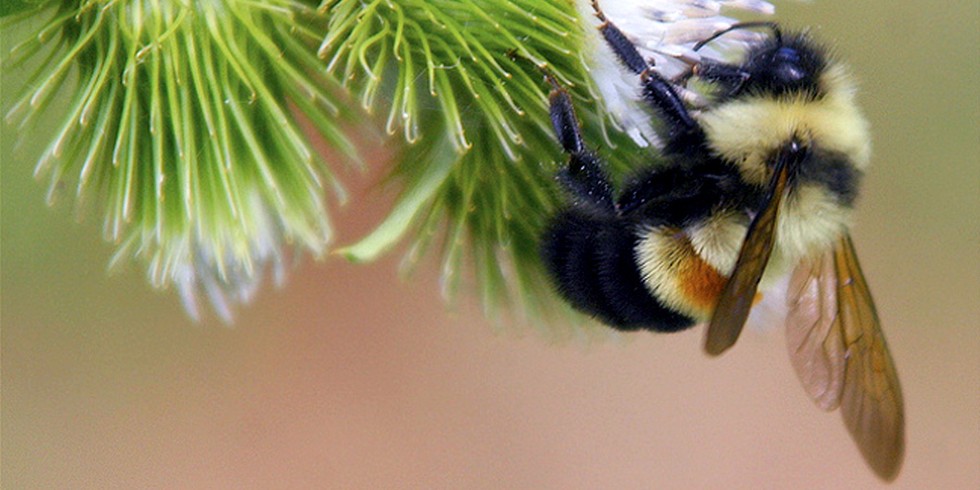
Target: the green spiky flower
(461, 81)
(181, 131)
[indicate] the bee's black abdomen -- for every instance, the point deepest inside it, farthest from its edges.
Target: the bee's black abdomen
(624, 289)
(591, 261)
(568, 254)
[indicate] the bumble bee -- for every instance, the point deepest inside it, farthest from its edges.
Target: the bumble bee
(758, 184)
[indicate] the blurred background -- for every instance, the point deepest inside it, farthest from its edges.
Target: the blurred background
(351, 377)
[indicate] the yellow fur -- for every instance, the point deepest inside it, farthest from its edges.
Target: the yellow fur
(748, 131)
(810, 220)
(661, 254)
(718, 239)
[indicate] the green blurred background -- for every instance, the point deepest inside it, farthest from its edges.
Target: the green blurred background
(349, 377)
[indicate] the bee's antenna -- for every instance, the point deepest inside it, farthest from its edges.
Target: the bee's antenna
(743, 25)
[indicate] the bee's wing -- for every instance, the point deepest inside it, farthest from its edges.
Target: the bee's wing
(814, 334)
(840, 354)
(736, 298)
(871, 402)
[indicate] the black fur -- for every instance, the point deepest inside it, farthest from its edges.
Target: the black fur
(835, 173)
(591, 260)
(589, 248)
(682, 194)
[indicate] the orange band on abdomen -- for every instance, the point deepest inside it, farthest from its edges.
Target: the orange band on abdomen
(699, 283)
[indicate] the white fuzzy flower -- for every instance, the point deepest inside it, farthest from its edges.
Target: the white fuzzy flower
(664, 32)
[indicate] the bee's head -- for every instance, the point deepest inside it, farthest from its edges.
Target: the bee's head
(782, 64)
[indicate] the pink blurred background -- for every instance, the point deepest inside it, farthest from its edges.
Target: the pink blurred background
(350, 377)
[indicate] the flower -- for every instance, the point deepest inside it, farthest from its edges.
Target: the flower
(183, 131)
(665, 32)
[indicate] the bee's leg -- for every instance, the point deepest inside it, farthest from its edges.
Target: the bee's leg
(684, 133)
(584, 177)
(729, 78)
(623, 48)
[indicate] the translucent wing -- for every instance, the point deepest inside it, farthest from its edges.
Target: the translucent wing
(871, 402)
(841, 357)
(736, 298)
(814, 334)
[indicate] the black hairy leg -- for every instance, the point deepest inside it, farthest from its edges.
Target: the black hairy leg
(589, 248)
(684, 134)
(584, 176)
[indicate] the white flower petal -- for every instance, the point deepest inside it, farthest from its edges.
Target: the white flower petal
(664, 32)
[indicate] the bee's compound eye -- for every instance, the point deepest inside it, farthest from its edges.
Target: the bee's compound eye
(787, 54)
(787, 66)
